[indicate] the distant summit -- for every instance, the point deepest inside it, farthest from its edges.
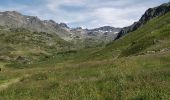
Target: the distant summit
(106, 29)
(14, 19)
(64, 25)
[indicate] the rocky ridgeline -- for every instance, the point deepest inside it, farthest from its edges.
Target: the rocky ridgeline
(149, 14)
(15, 19)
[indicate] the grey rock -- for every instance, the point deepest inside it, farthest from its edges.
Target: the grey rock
(149, 14)
(63, 25)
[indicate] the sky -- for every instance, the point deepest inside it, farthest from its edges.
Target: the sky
(83, 13)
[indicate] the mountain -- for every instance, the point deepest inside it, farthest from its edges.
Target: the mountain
(14, 19)
(27, 38)
(149, 14)
(42, 66)
(64, 25)
(151, 38)
(105, 29)
(94, 37)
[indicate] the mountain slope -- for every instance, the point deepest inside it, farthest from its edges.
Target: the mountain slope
(153, 36)
(149, 14)
(19, 44)
(134, 67)
(94, 37)
(130, 77)
(14, 19)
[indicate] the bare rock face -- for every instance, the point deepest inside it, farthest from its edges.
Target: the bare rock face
(149, 14)
(63, 25)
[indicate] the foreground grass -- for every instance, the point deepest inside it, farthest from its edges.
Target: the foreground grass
(144, 77)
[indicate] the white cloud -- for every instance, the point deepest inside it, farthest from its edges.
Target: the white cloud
(53, 5)
(88, 13)
(116, 13)
(117, 17)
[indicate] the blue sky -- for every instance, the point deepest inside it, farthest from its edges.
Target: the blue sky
(84, 13)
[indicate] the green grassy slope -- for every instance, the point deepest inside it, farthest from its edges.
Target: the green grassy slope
(153, 36)
(132, 78)
(23, 45)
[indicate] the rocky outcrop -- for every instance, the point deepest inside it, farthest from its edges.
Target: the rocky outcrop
(63, 25)
(149, 14)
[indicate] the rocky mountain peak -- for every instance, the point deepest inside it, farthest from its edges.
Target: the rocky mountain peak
(11, 13)
(157, 11)
(148, 15)
(78, 28)
(64, 25)
(13, 19)
(106, 29)
(52, 21)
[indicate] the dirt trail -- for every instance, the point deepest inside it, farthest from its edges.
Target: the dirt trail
(11, 82)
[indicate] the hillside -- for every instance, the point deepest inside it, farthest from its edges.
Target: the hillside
(24, 46)
(14, 19)
(98, 37)
(78, 36)
(133, 67)
(151, 37)
(148, 15)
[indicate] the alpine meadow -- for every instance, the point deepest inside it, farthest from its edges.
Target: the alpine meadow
(41, 59)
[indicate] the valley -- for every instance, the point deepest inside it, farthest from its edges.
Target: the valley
(106, 63)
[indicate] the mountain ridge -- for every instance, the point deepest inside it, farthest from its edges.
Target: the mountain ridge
(14, 19)
(148, 15)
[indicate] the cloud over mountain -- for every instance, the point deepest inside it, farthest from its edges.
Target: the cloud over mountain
(85, 13)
